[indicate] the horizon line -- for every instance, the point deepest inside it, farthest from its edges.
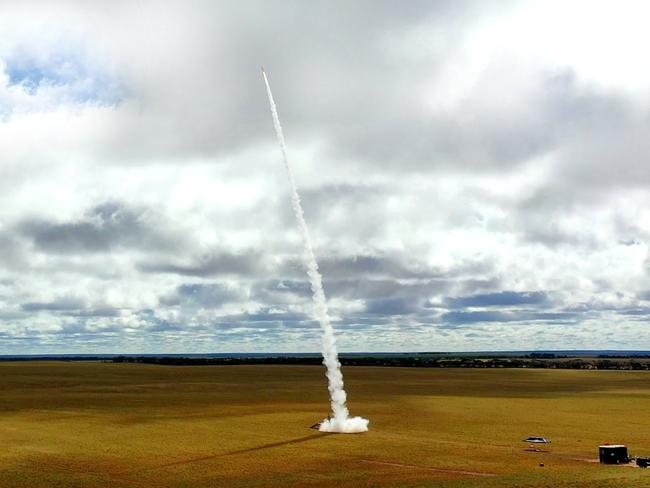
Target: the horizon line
(317, 353)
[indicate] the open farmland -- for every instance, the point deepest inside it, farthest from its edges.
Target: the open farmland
(93, 424)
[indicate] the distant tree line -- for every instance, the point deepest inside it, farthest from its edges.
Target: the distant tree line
(221, 361)
(413, 361)
(52, 358)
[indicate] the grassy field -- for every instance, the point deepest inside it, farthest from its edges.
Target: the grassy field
(132, 425)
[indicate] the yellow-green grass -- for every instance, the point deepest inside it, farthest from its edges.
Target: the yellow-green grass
(131, 425)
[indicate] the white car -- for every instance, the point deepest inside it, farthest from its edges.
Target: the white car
(533, 439)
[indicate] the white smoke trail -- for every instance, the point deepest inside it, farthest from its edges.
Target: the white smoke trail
(341, 420)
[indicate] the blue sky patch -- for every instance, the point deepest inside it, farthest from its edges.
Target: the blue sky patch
(77, 81)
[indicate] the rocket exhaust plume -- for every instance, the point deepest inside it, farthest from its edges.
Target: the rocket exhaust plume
(340, 420)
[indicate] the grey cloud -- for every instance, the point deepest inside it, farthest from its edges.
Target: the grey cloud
(268, 315)
(540, 217)
(12, 253)
(274, 325)
(82, 328)
(315, 200)
(202, 295)
(381, 295)
(503, 298)
(599, 138)
(61, 304)
(344, 209)
(215, 264)
(13, 314)
(580, 124)
(265, 318)
(341, 63)
(72, 307)
(375, 289)
(480, 136)
(629, 230)
(629, 242)
(643, 311)
(462, 317)
(615, 160)
(369, 265)
(391, 306)
(280, 291)
(97, 312)
(103, 228)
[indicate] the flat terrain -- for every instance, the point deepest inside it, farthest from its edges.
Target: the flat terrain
(133, 425)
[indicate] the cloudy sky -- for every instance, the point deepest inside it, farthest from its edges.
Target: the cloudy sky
(475, 175)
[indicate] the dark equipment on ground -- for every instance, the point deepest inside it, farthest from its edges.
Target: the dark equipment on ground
(317, 426)
(643, 462)
(613, 454)
(533, 439)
